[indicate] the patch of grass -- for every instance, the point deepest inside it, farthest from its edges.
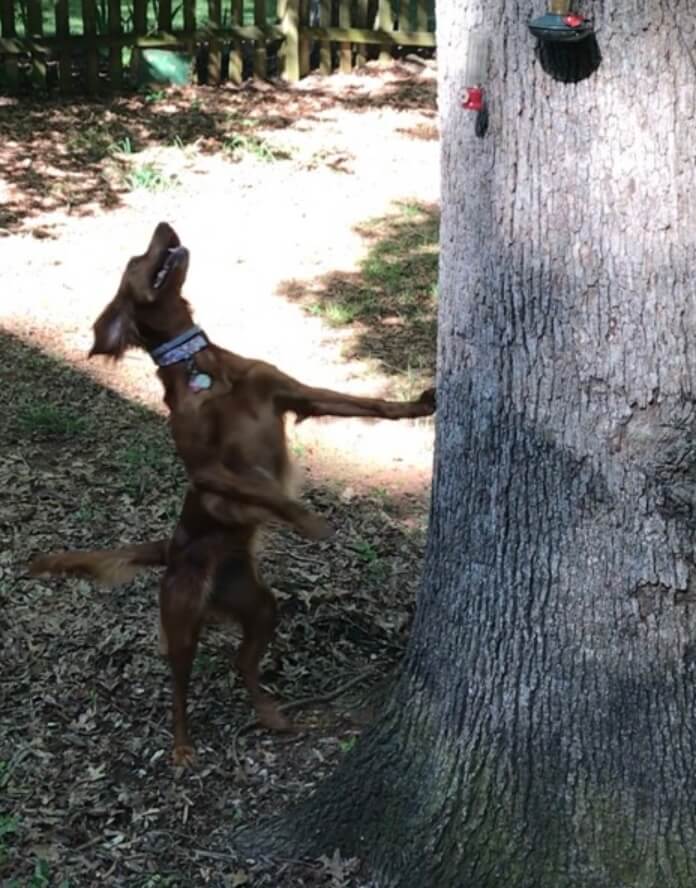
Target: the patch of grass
(392, 299)
(122, 146)
(40, 878)
(158, 881)
(154, 95)
(238, 145)
(348, 744)
(338, 314)
(86, 511)
(142, 463)
(242, 141)
(41, 420)
(94, 143)
(8, 826)
(150, 177)
(206, 663)
(366, 551)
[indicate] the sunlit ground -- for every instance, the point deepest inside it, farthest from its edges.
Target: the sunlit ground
(273, 241)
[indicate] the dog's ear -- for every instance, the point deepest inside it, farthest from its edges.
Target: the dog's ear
(114, 330)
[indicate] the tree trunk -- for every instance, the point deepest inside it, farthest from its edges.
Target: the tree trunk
(543, 731)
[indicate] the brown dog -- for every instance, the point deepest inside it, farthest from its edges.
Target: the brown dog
(227, 419)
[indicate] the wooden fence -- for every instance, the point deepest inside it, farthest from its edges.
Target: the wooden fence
(92, 45)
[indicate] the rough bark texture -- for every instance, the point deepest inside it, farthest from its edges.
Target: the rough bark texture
(543, 731)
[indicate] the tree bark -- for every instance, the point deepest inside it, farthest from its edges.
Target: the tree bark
(542, 733)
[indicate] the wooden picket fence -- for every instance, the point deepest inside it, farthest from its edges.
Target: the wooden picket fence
(91, 45)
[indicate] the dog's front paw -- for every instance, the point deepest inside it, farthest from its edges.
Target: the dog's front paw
(429, 401)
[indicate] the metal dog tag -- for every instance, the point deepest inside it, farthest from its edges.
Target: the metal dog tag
(199, 382)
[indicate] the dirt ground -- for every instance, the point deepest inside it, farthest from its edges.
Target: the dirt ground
(311, 216)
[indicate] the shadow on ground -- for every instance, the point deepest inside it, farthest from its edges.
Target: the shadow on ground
(88, 794)
(80, 156)
(389, 306)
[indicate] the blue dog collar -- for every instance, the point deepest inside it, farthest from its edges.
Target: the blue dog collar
(181, 348)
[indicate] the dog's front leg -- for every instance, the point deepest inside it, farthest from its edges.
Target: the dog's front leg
(307, 401)
(229, 497)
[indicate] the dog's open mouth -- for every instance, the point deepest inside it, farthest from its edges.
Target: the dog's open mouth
(172, 258)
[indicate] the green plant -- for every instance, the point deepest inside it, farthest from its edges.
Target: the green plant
(150, 177)
(92, 142)
(154, 95)
(347, 744)
(365, 551)
(206, 663)
(42, 874)
(238, 144)
(8, 825)
(142, 462)
(50, 420)
(338, 311)
(122, 146)
(158, 881)
(86, 512)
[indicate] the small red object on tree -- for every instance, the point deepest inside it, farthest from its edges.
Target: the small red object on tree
(472, 99)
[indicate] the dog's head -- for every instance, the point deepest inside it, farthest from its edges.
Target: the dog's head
(148, 300)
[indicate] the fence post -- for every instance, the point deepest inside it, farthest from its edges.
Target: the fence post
(422, 15)
(324, 46)
(385, 23)
(8, 32)
(190, 25)
(291, 54)
(345, 55)
(35, 29)
(139, 17)
(164, 16)
(89, 19)
(236, 66)
(260, 55)
(214, 46)
(64, 55)
(116, 51)
(361, 12)
(304, 48)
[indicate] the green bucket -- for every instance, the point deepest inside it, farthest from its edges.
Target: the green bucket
(164, 66)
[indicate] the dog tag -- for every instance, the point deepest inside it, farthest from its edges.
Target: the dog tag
(199, 382)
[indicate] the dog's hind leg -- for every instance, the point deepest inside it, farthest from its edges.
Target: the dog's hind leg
(240, 594)
(258, 627)
(181, 597)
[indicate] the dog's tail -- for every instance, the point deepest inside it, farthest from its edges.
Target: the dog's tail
(108, 566)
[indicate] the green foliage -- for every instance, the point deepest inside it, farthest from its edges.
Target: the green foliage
(391, 301)
(239, 144)
(156, 880)
(366, 551)
(154, 95)
(94, 143)
(149, 176)
(142, 463)
(347, 744)
(44, 420)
